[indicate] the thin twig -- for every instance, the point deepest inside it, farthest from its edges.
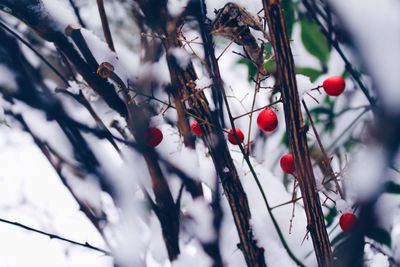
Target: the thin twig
(54, 236)
(325, 158)
(337, 47)
(258, 109)
(22, 40)
(77, 13)
(105, 25)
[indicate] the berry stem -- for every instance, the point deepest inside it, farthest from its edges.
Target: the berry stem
(258, 109)
(257, 87)
(328, 171)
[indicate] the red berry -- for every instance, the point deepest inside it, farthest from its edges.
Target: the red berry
(334, 85)
(196, 129)
(287, 163)
(154, 137)
(347, 221)
(231, 136)
(267, 120)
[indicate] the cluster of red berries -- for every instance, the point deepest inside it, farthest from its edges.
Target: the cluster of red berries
(267, 121)
(333, 86)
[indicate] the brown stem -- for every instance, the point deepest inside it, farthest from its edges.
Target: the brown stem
(105, 25)
(253, 254)
(258, 109)
(297, 130)
(166, 210)
(164, 206)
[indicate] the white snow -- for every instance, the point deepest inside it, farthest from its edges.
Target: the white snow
(86, 189)
(181, 56)
(2, 115)
(201, 220)
(191, 255)
(203, 82)
(342, 206)
(176, 7)
(102, 53)
(60, 12)
(8, 81)
(365, 172)
(52, 134)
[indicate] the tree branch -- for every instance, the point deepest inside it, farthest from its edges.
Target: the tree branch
(297, 130)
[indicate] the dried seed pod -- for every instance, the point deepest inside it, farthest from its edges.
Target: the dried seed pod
(233, 22)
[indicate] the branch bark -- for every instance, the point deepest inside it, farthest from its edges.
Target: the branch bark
(105, 25)
(297, 130)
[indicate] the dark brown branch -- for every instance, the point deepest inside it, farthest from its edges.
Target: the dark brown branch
(43, 100)
(31, 12)
(105, 25)
(213, 68)
(297, 130)
(254, 255)
(166, 210)
(158, 19)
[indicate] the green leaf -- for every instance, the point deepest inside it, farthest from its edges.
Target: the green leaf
(331, 216)
(311, 73)
(345, 74)
(314, 41)
(288, 12)
(350, 144)
(252, 70)
(270, 66)
(285, 140)
(268, 48)
(322, 110)
(380, 235)
(392, 188)
(329, 102)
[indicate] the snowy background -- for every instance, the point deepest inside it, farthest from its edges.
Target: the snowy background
(31, 192)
